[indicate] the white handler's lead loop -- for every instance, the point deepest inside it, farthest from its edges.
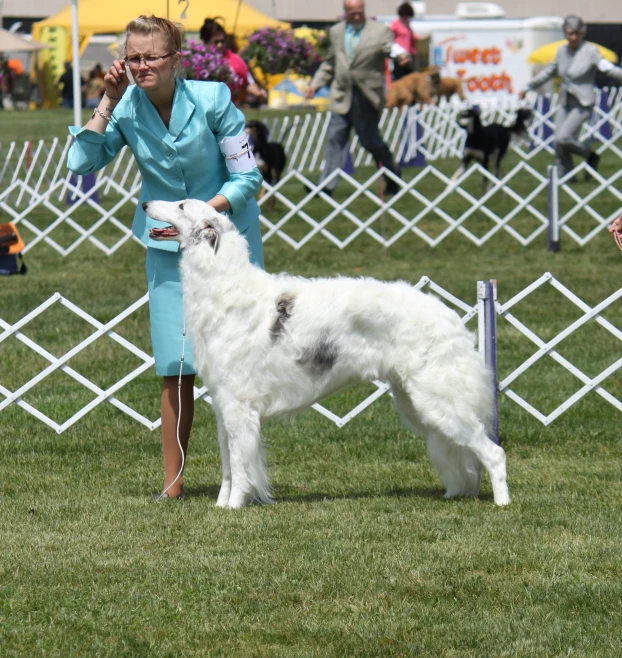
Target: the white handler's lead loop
(181, 450)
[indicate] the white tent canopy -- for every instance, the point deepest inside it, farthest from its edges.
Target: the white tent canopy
(13, 43)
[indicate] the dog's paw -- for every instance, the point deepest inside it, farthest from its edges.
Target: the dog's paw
(503, 500)
(238, 499)
(223, 495)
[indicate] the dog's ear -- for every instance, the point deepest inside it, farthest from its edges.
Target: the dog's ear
(434, 72)
(263, 129)
(210, 232)
(525, 114)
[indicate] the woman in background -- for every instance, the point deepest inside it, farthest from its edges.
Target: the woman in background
(405, 37)
(244, 89)
(94, 88)
(577, 63)
(175, 129)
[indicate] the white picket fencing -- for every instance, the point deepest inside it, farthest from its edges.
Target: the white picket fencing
(486, 308)
(38, 193)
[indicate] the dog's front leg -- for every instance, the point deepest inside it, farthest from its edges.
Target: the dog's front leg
(461, 169)
(225, 460)
(486, 183)
(249, 478)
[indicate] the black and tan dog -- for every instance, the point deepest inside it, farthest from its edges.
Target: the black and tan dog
(490, 142)
(270, 156)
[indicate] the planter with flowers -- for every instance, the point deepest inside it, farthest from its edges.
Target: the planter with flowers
(273, 51)
(202, 62)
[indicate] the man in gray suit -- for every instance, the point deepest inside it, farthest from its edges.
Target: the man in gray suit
(577, 63)
(356, 73)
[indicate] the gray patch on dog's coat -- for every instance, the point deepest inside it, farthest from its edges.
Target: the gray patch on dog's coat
(320, 358)
(284, 305)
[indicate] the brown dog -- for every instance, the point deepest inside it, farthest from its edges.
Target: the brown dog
(412, 88)
(446, 87)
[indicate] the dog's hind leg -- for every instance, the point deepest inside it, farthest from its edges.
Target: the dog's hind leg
(249, 478)
(457, 438)
(486, 183)
(459, 469)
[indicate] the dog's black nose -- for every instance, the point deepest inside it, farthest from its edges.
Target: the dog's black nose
(145, 205)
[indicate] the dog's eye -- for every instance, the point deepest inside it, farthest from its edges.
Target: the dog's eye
(181, 205)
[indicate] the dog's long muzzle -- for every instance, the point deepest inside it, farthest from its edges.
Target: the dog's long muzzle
(165, 233)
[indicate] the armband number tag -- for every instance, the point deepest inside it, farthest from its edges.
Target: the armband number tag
(238, 153)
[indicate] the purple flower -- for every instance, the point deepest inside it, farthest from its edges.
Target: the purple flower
(203, 62)
(279, 51)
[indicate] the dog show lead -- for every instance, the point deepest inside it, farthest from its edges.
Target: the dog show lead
(182, 134)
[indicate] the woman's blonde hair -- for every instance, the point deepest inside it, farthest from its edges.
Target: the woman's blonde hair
(149, 24)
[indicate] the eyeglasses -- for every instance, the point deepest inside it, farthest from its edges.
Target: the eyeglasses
(135, 60)
(216, 42)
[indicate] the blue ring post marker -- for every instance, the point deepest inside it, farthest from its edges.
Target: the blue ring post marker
(490, 348)
(412, 136)
(86, 183)
(554, 237)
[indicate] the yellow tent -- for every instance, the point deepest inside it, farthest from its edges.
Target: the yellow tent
(111, 16)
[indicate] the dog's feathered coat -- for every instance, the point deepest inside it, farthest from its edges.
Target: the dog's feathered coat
(267, 344)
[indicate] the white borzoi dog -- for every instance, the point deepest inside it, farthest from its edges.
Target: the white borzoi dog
(267, 344)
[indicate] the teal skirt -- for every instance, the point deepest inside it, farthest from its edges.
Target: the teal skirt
(166, 306)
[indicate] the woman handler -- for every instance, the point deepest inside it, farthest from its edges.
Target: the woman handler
(179, 132)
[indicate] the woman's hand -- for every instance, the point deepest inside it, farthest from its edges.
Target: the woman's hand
(219, 203)
(521, 94)
(258, 92)
(116, 80)
(616, 227)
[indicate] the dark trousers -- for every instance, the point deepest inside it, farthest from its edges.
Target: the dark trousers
(568, 122)
(364, 118)
(400, 71)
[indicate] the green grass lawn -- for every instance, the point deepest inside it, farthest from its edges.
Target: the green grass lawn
(361, 556)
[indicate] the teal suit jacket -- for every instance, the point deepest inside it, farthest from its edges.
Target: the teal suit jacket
(180, 162)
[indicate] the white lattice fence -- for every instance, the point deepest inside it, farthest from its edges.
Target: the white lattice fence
(414, 210)
(101, 332)
(438, 136)
(64, 211)
(107, 331)
(412, 195)
(550, 349)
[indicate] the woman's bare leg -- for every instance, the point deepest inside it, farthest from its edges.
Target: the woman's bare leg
(170, 446)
